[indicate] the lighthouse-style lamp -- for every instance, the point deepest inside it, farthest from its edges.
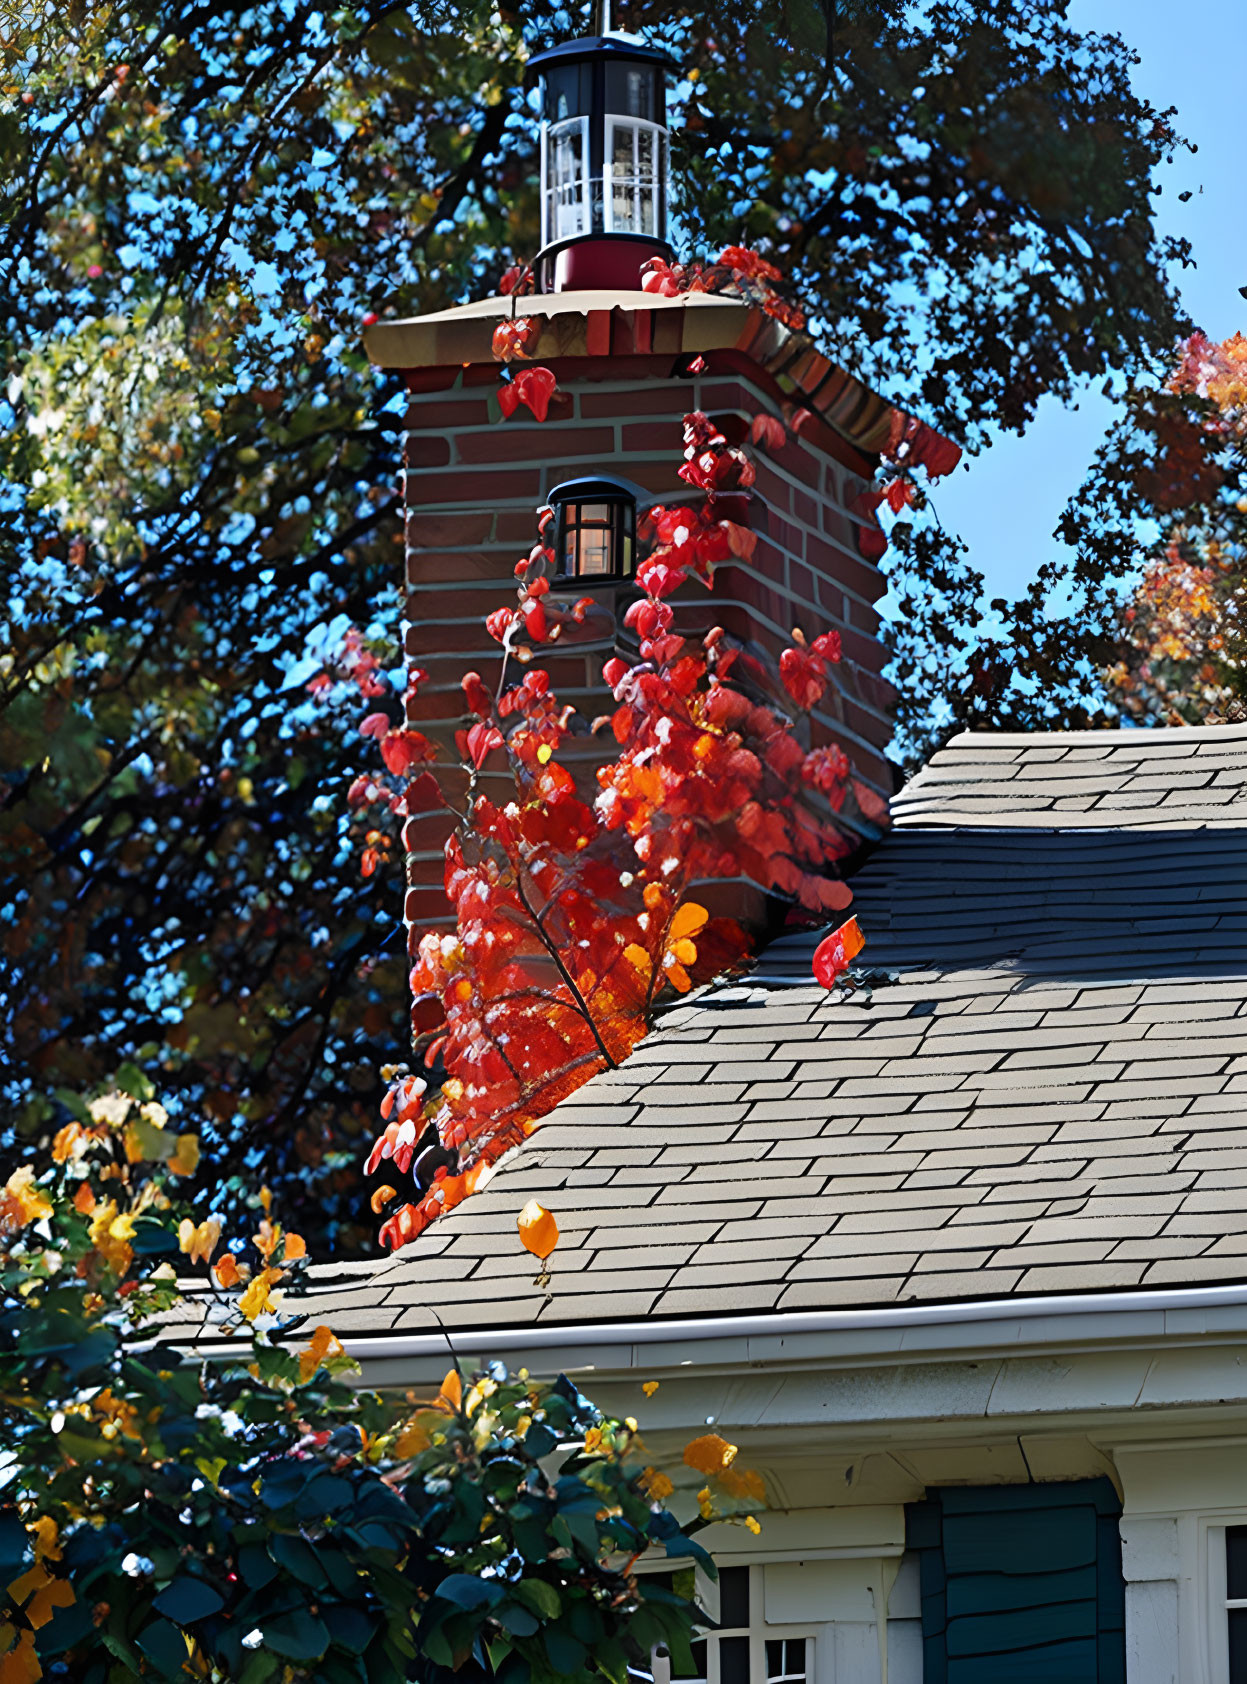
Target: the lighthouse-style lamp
(604, 161)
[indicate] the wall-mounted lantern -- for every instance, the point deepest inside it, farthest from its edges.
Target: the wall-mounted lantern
(604, 162)
(595, 528)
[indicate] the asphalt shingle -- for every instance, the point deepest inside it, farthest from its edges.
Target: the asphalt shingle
(1045, 1095)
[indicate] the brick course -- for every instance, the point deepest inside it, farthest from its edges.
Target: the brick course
(473, 483)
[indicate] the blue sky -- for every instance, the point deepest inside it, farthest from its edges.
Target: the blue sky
(1006, 503)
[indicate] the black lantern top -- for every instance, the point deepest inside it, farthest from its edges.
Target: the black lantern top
(604, 161)
(595, 535)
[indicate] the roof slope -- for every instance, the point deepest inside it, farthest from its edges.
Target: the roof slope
(1048, 1097)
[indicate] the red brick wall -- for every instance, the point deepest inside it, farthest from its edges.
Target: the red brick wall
(473, 483)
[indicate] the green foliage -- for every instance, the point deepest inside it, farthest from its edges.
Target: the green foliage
(197, 207)
(256, 1515)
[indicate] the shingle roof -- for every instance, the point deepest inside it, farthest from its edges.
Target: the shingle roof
(1046, 1096)
(1190, 775)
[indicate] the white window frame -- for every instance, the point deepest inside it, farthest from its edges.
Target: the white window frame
(550, 133)
(758, 1631)
(655, 181)
(1217, 1624)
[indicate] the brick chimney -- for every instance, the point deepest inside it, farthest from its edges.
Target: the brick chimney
(625, 360)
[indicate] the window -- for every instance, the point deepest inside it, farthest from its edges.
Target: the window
(738, 1647)
(636, 162)
(1236, 1601)
(565, 179)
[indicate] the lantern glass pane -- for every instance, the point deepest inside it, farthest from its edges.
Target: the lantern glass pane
(635, 154)
(593, 552)
(567, 208)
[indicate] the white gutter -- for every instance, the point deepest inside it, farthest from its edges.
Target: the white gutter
(888, 1320)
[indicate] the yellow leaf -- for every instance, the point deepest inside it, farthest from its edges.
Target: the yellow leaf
(111, 1234)
(649, 1387)
(322, 1344)
(57, 1593)
(185, 1159)
(539, 1232)
(709, 1454)
(257, 1299)
(412, 1440)
(198, 1243)
(210, 1467)
(33, 1579)
(688, 920)
(753, 1525)
(47, 1543)
(22, 1202)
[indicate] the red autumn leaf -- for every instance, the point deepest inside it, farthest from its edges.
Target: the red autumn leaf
(534, 387)
(836, 952)
(376, 725)
(802, 676)
(657, 579)
(404, 750)
(871, 804)
(535, 622)
(482, 739)
(899, 493)
(767, 431)
(475, 694)
(743, 542)
(498, 623)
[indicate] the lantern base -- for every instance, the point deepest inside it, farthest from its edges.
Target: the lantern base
(597, 263)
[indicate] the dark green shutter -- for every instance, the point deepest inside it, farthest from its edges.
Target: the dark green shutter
(1021, 1584)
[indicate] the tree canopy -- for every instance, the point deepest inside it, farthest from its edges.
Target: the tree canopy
(198, 206)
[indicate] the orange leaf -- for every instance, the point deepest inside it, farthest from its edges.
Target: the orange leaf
(539, 1232)
(688, 920)
(709, 1454)
(321, 1345)
(185, 1159)
(226, 1270)
(295, 1247)
(451, 1393)
(21, 1664)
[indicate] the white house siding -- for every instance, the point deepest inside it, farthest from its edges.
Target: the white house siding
(1179, 1496)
